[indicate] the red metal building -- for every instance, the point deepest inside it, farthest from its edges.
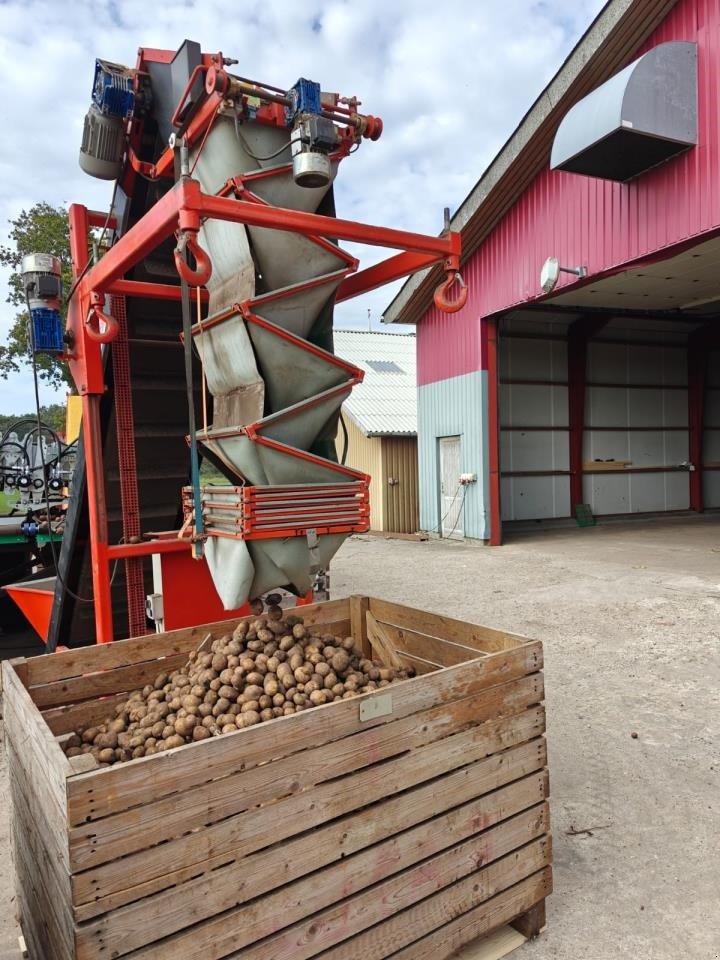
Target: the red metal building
(605, 390)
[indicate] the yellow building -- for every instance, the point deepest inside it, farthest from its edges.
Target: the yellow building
(380, 419)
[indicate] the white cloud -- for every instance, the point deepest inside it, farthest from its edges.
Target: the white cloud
(451, 81)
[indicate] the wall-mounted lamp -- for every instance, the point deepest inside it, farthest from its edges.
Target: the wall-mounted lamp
(551, 271)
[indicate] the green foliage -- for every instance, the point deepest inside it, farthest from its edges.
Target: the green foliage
(41, 229)
(53, 415)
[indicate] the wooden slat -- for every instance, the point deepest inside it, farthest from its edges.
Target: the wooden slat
(29, 734)
(213, 896)
(262, 826)
(389, 927)
(318, 931)
(480, 638)
(358, 610)
(49, 878)
(93, 685)
(142, 827)
(258, 872)
(382, 644)
(77, 716)
(121, 653)
(444, 652)
(501, 909)
(117, 788)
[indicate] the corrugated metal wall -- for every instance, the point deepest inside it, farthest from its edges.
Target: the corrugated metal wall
(582, 220)
(400, 462)
(365, 453)
(637, 411)
(711, 433)
(455, 407)
(393, 508)
(534, 449)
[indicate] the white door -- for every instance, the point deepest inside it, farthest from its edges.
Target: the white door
(451, 492)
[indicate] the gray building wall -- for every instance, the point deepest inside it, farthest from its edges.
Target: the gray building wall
(448, 408)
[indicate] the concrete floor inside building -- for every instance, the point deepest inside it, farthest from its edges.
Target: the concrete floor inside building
(629, 614)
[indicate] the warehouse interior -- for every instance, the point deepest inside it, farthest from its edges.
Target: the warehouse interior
(609, 394)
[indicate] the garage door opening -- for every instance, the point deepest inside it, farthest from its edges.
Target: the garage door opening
(609, 396)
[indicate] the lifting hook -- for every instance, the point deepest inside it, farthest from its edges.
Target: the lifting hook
(97, 317)
(441, 293)
(187, 240)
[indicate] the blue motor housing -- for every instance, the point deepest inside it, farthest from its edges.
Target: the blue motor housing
(113, 92)
(47, 331)
(306, 96)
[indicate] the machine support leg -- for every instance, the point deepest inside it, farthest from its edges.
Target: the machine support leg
(577, 358)
(490, 342)
(97, 512)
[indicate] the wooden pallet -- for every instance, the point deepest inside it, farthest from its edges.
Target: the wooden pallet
(403, 823)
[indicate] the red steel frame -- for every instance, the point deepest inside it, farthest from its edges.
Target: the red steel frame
(184, 207)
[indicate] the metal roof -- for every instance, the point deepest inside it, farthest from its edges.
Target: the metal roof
(385, 403)
(609, 44)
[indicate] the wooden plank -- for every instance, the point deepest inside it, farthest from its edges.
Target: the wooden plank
(143, 827)
(213, 896)
(341, 838)
(494, 946)
(29, 734)
(117, 788)
(48, 817)
(377, 898)
(263, 826)
(431, 648)
(93, 685)
(483, 918)
(106, 656)
(31, 884)
(78, 716)
(382, 646)
(395, 917)
(358, 610)
(485, 639)
(51, 879)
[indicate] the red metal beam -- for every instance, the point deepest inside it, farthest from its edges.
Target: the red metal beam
(377, 276)
(149, 291)
(314, 224)
(97, 511)
(489, 328)
(579, 333)
(121, 551)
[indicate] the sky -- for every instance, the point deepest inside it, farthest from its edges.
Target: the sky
(450, 80)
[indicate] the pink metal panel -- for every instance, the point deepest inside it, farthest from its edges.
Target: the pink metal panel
(581, 220)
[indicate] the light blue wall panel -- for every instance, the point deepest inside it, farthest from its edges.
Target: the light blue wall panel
(447, 408)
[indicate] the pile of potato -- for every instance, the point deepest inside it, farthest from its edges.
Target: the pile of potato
(270, 667)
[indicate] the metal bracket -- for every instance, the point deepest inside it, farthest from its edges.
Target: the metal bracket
(312, 542)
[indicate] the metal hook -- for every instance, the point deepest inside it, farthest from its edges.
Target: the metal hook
(200, 276)
(441, 293)
(96, 317)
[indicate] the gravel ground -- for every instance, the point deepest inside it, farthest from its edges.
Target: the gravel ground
(630, 617)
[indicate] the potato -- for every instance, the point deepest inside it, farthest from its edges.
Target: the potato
(200, 732)
(251, 706)
(106, 755)
(90, 734)
(174, 741)
(251, 692)
(73, 752)
(221, 706)
(298, 631)
(340, 661)
(286, 642)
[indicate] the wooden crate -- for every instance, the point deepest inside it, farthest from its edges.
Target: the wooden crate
(402, 823)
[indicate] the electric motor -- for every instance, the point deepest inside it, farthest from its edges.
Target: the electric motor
(42, 283)
(103, 142)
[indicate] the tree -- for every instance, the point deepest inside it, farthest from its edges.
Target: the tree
(41, 229)
(53, 414)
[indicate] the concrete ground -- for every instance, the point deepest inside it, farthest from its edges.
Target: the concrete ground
(630, 617)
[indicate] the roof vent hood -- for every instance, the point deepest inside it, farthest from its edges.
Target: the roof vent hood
(640, 118)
